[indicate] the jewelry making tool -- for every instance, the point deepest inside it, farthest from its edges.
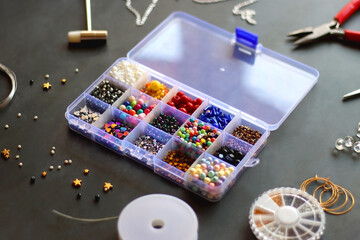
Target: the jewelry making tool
(351, 95)
(12, 77)
(141, 20)
(309, 34)
(89, 34)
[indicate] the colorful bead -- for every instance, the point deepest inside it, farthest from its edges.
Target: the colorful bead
(178, 159)
(215, 176)
(149, 144)
(200, 133)
(155, 89)
(215, 116)
(166, 122)
(106, 92)
(184, 103)
(229, 155)
(136, 106)
(117, 129)
(247, 134)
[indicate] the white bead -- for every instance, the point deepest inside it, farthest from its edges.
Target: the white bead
(357, 146)
(340, 144)
(349, 141)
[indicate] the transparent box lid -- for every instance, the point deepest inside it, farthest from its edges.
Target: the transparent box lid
(253, 79)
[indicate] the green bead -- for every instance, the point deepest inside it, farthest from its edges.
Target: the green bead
(182, 129)
(139, 111)
(179, 133)
(208, 143)
(133, 103)
(201, 124)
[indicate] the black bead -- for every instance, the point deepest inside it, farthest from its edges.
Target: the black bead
(31, 82)
(78, 196)
(97, 198)
(32, 179)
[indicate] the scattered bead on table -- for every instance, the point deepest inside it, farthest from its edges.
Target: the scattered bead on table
(36, 117)
(137, 107)
(229, 155)
(46, 86)
(6, 126)
(78, 196)
(63, 81)
(126, 72)
(107, 186)
(6, 153)
(20, 164)
(247, 134)
(149, 144)
(19, 115)
(215, 116)
(211, 171)
(184, 103)
(198, 134)
(44, 174)
(107, 92)
(31, 82)
(97, 198)
(166, 122)
(87, 115)
(77, 183)
(86, 171)
(32, 179)
(155, 89)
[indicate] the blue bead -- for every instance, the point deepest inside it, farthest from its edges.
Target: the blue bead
(126, 103)
(144, 106)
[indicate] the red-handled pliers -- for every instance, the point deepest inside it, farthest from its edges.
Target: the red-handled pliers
(310, 34)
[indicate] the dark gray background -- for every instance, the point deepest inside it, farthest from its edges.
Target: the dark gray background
(33, 42)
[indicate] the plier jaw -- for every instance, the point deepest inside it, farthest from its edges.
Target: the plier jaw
(310, 34)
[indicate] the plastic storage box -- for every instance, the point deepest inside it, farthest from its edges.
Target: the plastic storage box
(256, 86)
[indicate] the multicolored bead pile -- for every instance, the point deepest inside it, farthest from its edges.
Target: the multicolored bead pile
(117, 129)
(247, 134)
(106, 92)
(229, 155)
(87, 115)
(166, 122)
(155, 89)
(178, 159)
(211, 171)
(138, 108)
(184, 103)
(149, 144)
(215, 116)
(126, 72)
(198, 134)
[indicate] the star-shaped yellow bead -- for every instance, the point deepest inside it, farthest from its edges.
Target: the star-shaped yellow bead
(43, 174)
(77, 183)
(86, 171)
(107, 186)
(46, 86)
(6, 153)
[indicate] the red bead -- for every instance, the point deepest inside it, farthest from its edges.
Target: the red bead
(183, 110)
(180, 94)
(198, 101)
(176, 100)
(195, 107)
(146, 111)
(189, 107)
(171, 104)
(184, 99)
(151, 107)
(126, 111)
(213, 139)
(137, 107)
(132, 112)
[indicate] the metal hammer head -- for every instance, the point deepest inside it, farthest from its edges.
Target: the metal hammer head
(78, 36)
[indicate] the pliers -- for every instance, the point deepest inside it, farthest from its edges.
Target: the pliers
(309, 34)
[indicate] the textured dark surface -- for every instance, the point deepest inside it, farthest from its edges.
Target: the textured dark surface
(33, 43)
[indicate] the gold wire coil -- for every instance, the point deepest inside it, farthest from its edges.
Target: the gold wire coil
(336, 191)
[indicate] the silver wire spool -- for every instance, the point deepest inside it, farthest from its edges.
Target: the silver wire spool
(12, 77)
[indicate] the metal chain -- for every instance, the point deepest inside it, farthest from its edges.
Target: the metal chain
(246, 14)
(141, 20)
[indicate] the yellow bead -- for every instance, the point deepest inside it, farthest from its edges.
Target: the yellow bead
(226, 173)
(231, 169)
(197, 143)
(221, 173)
(207, 180)
(202, 141)
(155, 86)
(192, 171)
(198, 171)
(197, 166)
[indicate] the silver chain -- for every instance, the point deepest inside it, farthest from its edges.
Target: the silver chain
(246, 14)
(141, 20)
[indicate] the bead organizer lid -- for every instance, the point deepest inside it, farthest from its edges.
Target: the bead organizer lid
(255, 80)
(287, 213)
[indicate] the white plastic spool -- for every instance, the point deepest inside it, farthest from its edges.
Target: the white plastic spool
(158, 217)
